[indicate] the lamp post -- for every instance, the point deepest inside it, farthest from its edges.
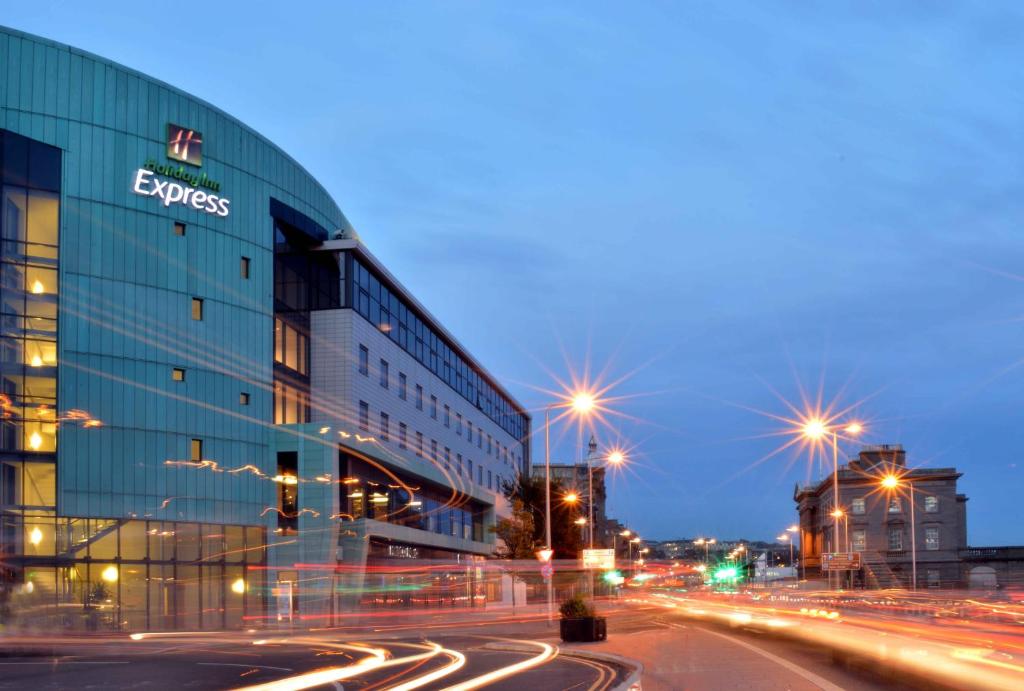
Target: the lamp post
(891, 482)
(817, 429)
(796, 529)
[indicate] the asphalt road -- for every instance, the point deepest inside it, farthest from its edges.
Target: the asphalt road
(495, 651)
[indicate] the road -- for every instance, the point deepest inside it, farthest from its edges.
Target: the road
(684, 641)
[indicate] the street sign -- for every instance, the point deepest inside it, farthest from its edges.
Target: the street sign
(603, 559)
(840, 561)
(547, 570)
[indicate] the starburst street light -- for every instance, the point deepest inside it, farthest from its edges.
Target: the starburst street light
(571, 498)
(893, 483)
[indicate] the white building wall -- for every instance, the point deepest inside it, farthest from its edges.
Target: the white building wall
(337, 388)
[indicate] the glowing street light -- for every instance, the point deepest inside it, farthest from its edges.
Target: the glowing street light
(891, 483)
(616, 457)
(581, 521)
(571, 498)
(583, 402)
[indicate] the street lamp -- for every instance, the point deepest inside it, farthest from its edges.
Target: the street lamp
(786, 538)
(796, 529)
(615, 457)
(892, 483)
(816, 429)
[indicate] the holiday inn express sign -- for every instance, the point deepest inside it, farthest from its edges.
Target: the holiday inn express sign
(174, 184)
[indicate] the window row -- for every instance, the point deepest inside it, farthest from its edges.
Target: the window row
(463, 467)
(393, 317)
(894, 539)
(858, 506)
(463, 426)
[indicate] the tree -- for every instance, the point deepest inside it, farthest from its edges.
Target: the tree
(517, 533)
(528, 490)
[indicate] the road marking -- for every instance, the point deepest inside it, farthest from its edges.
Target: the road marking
(810, 676)
(236, 664)
(548, 652)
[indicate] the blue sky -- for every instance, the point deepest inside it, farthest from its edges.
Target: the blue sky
(718, 201)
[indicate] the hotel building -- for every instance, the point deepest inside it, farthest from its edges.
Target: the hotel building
(219, 408)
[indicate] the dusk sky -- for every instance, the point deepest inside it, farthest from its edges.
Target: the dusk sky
(712, 202)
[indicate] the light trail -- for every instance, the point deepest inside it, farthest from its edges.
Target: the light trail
(548, 652)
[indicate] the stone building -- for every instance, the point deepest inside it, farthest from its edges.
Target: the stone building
(924, 510)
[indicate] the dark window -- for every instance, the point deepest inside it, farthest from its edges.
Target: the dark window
(419, 397)
(419, 444)
(244, 267)
(385, 376)
(179, 229)
(403, 435)
(447, 458)
(364, 416)
(469, 468)
(243, 398)
(458, 463)
(433, 450)
(458, 424)
(402, 386)
(197, 309)
(364, 361)
(447, 416)
(433, 407)
(384, 427)
(177, 374)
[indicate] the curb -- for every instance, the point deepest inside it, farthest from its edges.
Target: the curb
(632, 680)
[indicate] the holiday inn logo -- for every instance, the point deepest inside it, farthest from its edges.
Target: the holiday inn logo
(185, 145)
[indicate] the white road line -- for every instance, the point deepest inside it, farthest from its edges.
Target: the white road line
(810, 676)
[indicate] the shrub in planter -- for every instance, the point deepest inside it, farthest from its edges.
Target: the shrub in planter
(579, 623)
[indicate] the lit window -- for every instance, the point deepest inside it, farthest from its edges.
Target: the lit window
(243, 398)
(197, 309)
(931, 538)
(196, 450)
(244, 267)
(364, 361)
(179, 229)
(857, 506)
(177, 374)
(364, 416)
(931, 504)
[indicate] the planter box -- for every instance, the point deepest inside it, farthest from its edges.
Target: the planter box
(583, 629)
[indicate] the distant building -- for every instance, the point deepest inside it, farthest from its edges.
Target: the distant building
(876, 522)
(573, 477)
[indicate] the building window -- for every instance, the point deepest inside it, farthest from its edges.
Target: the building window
(419, 444)
(479, 438)
(458, 424)
(197, 309)
(177, 374)
(291, 404)
(419, 397)
(489, 445)
(490, 485)
(469, 468)
(196, 451)
(931, 538)
(287, 492)
(895, 539)
(894, 505)
(469, 431)
(857, 506)
(934, 580)
(384, 426)
(403, 435)
(385, 374)
(480, 475)
(364, 361)
(458, 463)
(931, 504)
(403, 386)
(447, 458)
(244, 267)
(243, 398)
(447, 416)
(433, 451)
(179, 229)
(433, 407)
(364, 416)
(860, 539)
(291, 347)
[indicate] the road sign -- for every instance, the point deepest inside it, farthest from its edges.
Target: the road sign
(547, 570)
(840, 561)
(603, 559)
